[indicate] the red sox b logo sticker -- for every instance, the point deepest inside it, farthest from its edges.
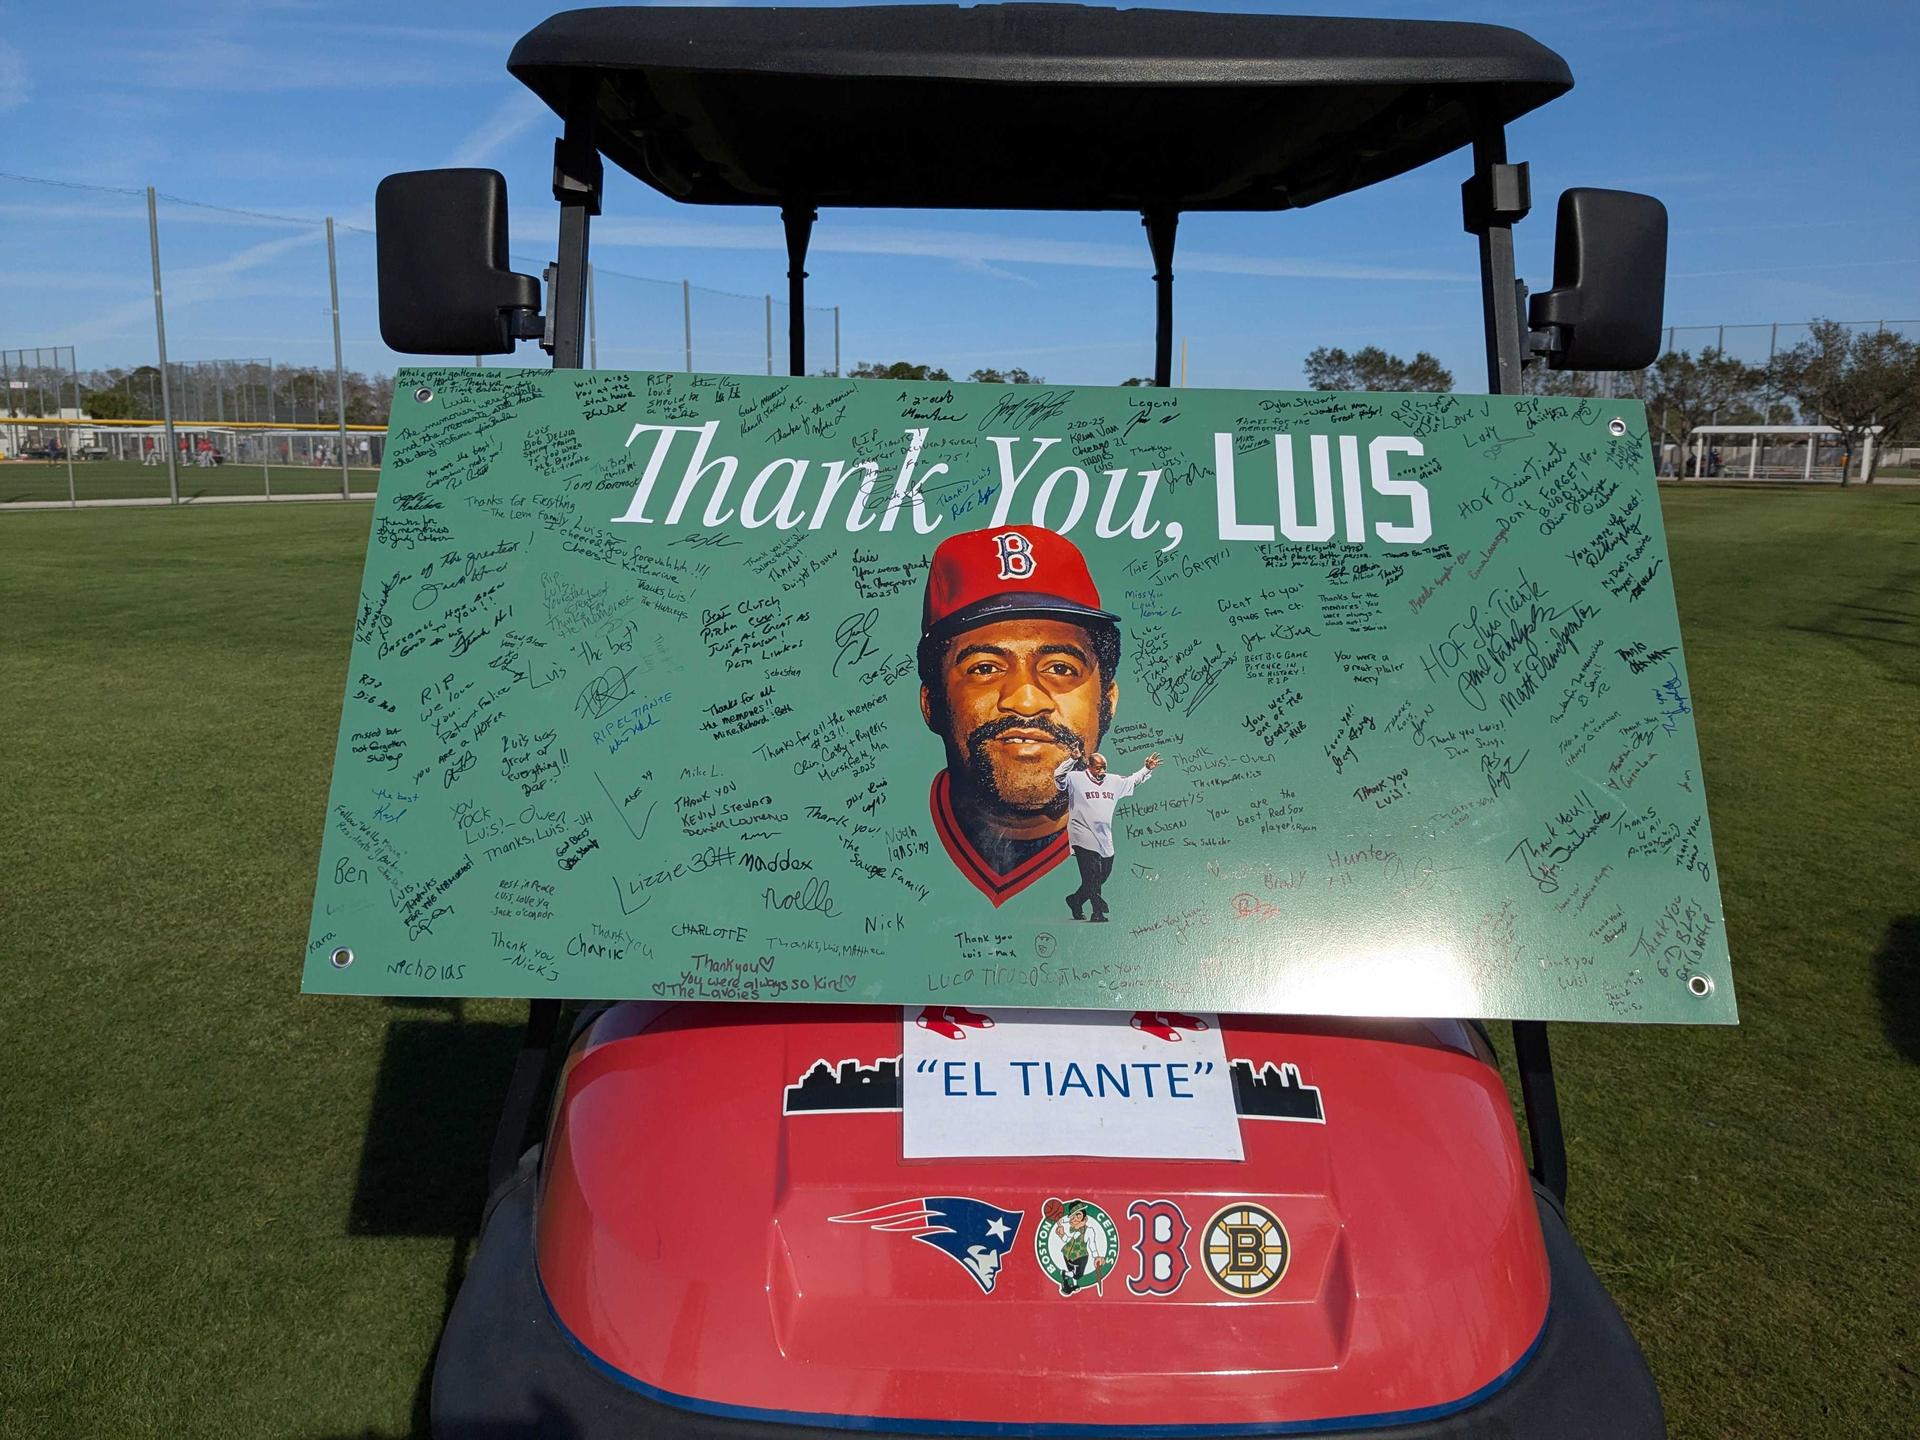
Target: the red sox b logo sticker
(1016, 555)
(1161, 1248)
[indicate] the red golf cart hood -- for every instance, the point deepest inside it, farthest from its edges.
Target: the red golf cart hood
(724, 1233)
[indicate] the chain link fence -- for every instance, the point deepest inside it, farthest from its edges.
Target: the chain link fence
(638, 323)
(293, 394)
(1714, 383)
(1752, 344)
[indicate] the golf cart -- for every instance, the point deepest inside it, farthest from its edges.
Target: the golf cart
(664, 1259)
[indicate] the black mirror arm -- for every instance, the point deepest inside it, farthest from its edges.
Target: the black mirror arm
(1543, 343)
(524, 323)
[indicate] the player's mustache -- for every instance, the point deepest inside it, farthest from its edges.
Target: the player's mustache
(994, 729)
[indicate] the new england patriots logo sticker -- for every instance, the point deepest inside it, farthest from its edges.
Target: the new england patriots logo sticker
(973, 1234)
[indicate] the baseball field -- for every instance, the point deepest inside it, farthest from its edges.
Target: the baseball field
(129, 480)
(230, 1210)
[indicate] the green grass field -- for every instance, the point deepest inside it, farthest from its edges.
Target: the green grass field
(229, 1210)
(128, 479)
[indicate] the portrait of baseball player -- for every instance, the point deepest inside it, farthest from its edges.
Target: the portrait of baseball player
(1018, 668)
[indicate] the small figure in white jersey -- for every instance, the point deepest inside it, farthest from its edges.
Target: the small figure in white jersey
(1091, 793)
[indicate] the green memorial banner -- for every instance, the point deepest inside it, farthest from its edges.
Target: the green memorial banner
(723, 687)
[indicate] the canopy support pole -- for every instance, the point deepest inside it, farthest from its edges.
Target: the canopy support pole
(798, 220)
(577, 176)
(1161, 225)
(1541, 1101)
(1498, 195)
(523, 1091)
(576, 185)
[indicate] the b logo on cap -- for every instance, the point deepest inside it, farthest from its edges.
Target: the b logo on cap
(1016, 555)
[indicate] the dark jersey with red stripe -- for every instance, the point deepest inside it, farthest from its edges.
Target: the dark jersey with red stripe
(1000, 868)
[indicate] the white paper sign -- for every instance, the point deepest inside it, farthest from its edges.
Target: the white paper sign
(1065, 1082)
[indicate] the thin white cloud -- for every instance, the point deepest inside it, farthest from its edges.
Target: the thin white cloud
(188, 284)
(511, 119)
(998, 272)
(14, 87)
(1792, 269)
(494, 42)
(973, 248)
(198, 63)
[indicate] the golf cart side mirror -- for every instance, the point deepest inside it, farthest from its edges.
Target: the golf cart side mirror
(445, 288)
(1609, 282)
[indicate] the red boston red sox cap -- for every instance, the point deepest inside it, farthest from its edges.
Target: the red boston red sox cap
(1005, 573)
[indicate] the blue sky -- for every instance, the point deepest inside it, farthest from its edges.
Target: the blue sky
(1781, 136)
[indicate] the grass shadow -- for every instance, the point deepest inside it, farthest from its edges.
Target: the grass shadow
(423, 1158)
(1896, 981)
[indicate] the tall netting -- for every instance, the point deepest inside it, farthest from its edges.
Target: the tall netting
(276, 381)
(1760, 345)
(37, 381)
(39, 392)
(1740, 376)
(747, 334)
(636, 323)
(78, 272)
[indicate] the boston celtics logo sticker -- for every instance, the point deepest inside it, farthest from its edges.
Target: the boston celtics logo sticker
(1245, 1250)
(1076, 1244)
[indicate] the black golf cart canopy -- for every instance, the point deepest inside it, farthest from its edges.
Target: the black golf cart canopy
(1056, 107)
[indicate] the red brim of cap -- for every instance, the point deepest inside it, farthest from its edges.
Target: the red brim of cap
(1020, 605)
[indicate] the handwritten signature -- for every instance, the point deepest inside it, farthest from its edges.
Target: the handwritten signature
(1498, 770)
(604, 691)
(854, 637)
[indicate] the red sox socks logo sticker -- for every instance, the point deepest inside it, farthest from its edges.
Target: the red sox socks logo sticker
(1166, 1025)
(953, 1021)
(1016, 555)
(1161, 1251)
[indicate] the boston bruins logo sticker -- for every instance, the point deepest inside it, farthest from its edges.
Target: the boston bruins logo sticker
(1245, 1249)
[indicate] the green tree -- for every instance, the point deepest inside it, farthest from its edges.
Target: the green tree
(1015, 376)
(1574, 384)
(1136, 380)
(898, 370)
(1683, 391)
(1372, 368)
(1854, 382)
(114, 404)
